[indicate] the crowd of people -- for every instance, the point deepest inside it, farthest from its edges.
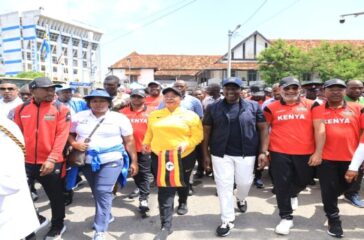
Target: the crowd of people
(300, 131)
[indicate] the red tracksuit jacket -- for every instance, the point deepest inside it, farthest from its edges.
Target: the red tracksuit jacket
(45, 128)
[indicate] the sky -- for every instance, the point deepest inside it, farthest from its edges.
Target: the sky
(199, 27)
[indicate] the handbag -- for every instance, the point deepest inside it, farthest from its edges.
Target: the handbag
(77, 158)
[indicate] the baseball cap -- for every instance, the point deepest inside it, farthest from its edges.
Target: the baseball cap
(288, 81)
(42, 82)
(257, 90)
(172, 89)
(233, 80)
(312, 82)
(98, 93)
(138, 92)
(153, 82)
(334, 82)
(64, 87)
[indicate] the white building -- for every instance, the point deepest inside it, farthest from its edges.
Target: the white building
(74, 47)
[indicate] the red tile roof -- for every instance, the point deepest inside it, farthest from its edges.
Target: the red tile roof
(166, 62)
(312, 43)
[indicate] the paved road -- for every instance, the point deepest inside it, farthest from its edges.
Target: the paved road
(203, 216)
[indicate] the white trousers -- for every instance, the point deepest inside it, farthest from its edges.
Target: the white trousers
(226, 170)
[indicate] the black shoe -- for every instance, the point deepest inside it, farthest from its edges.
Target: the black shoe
(258, 183)
(199, 174)
(68, 197)
(242, 206)
(335, 229)
(182, 209)
(190, 190)
(224, 229)
(134, 193)
(162, 234)
(143, 206)
(55, 233)
(312, 182)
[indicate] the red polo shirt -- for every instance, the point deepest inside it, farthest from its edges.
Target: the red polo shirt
(343, 126)
(291, 127)
(138, 120)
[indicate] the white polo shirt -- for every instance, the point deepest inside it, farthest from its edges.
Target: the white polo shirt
(109, 133)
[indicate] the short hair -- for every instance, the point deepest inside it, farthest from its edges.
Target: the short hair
(112, 78)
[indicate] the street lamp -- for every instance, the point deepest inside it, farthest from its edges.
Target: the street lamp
(230, 34)
(342, 17)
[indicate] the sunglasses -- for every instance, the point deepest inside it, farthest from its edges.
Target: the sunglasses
(290, 88)
(9, 89)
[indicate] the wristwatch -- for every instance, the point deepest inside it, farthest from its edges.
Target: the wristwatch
(266, 153)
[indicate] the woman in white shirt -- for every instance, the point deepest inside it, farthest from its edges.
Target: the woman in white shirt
(106, 157)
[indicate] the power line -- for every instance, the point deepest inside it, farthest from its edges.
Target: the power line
(152, 15)
(255, 12)
(278, 13)
(151, 22)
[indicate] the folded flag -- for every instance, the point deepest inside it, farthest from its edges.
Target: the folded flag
(170, 170)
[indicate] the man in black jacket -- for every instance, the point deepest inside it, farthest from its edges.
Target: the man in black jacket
(233, 129)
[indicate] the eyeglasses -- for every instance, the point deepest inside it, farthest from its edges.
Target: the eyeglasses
(290, 88)
(9, 89)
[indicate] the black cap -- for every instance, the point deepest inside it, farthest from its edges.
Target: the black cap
(138, 92)
(334, 82)
(312, 82)
(172, 89)
(154, 82)
(288, 81)
(42, 82)
(257, 90)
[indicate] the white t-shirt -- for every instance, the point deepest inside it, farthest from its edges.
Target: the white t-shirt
(5, 107)
(109, 133)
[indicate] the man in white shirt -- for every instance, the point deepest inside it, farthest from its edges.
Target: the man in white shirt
(10, 98)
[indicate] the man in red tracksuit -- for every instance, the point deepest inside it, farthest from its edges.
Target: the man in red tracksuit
(45, 125)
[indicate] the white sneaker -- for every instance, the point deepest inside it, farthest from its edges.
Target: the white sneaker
(294, 203)
(99, 236)
(284, 227)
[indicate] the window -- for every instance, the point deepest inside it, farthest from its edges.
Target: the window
(54, 69)
(29, 57)
(42, 68)
(54, 60)
(252, 75)
(75, 71)
(74, 63)
(84, 64)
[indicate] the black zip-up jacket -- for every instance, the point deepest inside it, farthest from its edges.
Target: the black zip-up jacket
(216, 116)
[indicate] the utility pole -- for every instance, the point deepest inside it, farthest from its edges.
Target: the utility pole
(230, 34)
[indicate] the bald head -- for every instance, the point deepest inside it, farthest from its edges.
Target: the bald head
(354, 89)
(180, 85)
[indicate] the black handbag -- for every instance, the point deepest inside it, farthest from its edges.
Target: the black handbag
(77, 158)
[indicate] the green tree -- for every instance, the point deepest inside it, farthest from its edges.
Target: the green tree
(31, 75)
(280, 60)
(342, 61)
